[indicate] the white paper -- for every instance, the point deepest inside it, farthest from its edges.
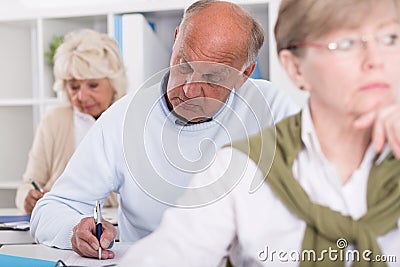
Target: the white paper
(15, 226)
(119, 250)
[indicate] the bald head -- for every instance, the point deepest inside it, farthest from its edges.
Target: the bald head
(226, 26)
(210, 57)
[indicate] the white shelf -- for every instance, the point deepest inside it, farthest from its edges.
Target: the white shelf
(48, 9)
(28, 102)
(11, 184)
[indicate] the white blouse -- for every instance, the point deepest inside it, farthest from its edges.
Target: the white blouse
(82, 123)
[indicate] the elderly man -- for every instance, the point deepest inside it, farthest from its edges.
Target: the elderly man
(149, 144)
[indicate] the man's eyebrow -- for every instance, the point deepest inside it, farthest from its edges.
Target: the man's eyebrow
(221, 70)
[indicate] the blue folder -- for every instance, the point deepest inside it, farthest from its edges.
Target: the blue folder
(14, 261)
(15, 218)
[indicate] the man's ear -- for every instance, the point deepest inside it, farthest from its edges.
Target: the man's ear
(176, 33)
(246, 74)
(291, 64)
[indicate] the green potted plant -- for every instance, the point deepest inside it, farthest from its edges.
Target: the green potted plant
(54, 44)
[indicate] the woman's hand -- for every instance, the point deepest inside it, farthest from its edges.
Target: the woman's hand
(31, 199)
(386, 127)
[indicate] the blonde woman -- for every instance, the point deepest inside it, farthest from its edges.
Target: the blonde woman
(90, 74)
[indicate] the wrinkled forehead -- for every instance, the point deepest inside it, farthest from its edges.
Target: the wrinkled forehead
(213, 42)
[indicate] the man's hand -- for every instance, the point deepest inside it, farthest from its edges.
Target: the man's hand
(31, 198)
(386, 127)
(84, 241)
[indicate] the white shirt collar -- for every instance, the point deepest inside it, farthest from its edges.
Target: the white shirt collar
(308, 133)
(82, 123)
(311, 142)
(313, 147)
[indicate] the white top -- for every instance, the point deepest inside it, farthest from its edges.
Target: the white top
(82, 124)
(148, 157)
(258, 225)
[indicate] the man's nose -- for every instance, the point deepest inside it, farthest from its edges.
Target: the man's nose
(192, 89)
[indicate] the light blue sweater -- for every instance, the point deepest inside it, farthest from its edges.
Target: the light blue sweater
(140, 150)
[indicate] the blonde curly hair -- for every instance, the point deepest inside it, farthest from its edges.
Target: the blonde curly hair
(87, 54)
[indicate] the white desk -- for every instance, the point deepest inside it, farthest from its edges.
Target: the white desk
(43, 252)
(35, 251)
(10, 211)
(14, 237)
(20, 243)
(109, 214)
(9, 237)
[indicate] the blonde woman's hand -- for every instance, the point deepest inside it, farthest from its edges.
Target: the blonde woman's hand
(31, 199)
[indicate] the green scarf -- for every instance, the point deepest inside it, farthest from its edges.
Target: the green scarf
(325, 226)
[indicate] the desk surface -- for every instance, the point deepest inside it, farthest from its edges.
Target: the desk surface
(14, 237)
(109, 214)
(35, 251)
(68, 256)
(10, 212)
(9, 237)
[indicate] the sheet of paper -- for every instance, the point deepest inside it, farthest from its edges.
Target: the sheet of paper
(15, 222)
(119, 249)
(22, 226)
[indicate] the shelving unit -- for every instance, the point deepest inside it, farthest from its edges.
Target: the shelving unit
(27, 27)
(27, 91)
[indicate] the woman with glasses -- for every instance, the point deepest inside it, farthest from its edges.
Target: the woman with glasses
(325, 197)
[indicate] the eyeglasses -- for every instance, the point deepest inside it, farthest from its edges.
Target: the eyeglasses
(387, 42)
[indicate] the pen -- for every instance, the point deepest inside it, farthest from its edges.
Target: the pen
(36, 186)
(99, 227)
